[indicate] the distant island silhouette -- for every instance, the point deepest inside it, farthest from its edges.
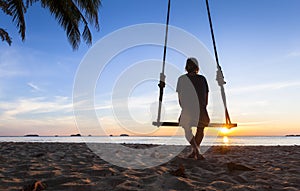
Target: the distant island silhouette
(76, 135)
(292, 135)
(31, 135)
(124, 135)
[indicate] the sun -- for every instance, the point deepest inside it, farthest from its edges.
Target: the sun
(224, 131)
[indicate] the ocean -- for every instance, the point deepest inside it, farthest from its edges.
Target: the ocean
(178, 140)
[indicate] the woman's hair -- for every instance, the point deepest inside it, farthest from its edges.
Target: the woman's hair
(192, 65)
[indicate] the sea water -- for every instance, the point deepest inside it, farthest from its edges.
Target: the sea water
(177, 140)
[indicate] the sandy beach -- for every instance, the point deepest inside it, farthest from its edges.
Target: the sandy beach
(64, 166)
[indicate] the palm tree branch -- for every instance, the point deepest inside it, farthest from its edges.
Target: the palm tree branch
(70, 14)
(17, 8)
(5, 36)
(87, 35)
(90, 8)
(30, 2)
(67, 17)
(4, 6)
(70, 17)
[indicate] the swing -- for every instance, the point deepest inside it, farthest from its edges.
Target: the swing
(220, 79)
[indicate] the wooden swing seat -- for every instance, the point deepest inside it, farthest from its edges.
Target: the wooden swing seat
(217, 125)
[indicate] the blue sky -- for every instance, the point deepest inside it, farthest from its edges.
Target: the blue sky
(259, 49)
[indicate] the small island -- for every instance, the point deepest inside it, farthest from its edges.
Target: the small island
(124, 135)
(31, 135)
(76, 135)
(292, 135)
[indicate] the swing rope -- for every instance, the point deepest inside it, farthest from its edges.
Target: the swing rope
(220, 76)
(162, 83)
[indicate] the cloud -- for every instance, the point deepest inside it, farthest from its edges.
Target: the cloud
(105, 101)
(34, 87)
(41, 115)
(264, 87)
(6, 72)
(33, 106)
(255, 123)
(9, 63)
(295, 53)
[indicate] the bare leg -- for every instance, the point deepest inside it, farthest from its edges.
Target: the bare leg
(191, 139)
(198, 139)
(195, 147)
(188, 133)
(196, 153)
(199, 135)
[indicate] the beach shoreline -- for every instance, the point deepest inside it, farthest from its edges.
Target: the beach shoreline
(74, 166)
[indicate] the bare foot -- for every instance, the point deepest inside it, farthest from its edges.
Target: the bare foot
(198, 156)
(191, 155)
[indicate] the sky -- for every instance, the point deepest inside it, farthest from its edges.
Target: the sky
(258, 43)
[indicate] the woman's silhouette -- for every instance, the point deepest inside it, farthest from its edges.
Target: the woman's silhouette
(192, 90)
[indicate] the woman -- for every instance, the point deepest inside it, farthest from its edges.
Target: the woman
(192, 90)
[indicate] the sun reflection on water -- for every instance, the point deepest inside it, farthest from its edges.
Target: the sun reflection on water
(225, 140)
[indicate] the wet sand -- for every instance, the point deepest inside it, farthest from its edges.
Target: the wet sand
(72, 166)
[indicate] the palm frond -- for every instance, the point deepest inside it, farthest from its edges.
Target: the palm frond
(87, 35)
(30, 2)
(4, 7)
(17, 8)
(90, 8)
(67, 17)
(5, 36)
(70, 17)
(70, 14)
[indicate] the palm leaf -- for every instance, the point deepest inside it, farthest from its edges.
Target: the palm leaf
(87, 35)
(17, 10)
(30, 2)
(90, 8)
(4, 6)
(70, 14)
(5, 36)
(67, 17)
